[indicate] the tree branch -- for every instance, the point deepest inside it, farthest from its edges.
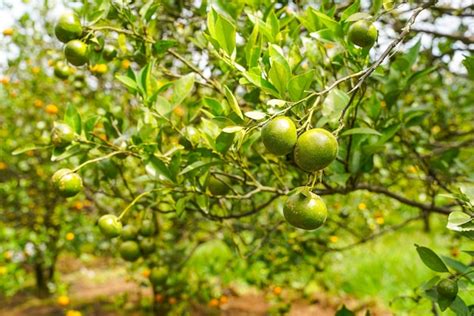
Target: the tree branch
(403, 199)
(457, 37)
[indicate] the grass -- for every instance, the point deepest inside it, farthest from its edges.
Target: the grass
(389, 267)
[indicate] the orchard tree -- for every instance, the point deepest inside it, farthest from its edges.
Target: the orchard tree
(244, 118)
(37, 222)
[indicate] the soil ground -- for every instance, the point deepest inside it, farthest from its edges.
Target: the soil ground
(94, 287)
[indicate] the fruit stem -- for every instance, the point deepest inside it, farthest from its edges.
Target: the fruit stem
(135, 200)
(97, 159)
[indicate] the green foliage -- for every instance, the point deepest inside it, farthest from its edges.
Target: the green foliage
(173, 96)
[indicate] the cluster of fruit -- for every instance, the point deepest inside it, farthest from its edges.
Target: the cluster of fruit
(312, 151)
(135, 242)
(65, 181)
(69, 30)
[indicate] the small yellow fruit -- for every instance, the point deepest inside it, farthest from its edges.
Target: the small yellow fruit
(8, 32)
(214, 302)
(70, 236)
(159, 298)
(63, 300)
(223, 300)
(38, 103)
(277, 290)
(51, 109)
(125, 64)
(362, 206)
(146, 273)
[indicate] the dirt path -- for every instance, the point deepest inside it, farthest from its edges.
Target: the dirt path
(93, 289)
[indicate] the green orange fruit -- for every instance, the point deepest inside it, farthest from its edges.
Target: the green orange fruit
(110, 225)
(129, 232)
(129, 250)
(279, 135)
(305, 210)
(109, 52)
(68, 27)
(147, 228)
(62, 135)
(362, 33)
(58, 174)
(218, 184)
(67, 183)
(61, 70)
(447, 288)
(76, 52)
(158, 275)
(315, 149)
(147, 245)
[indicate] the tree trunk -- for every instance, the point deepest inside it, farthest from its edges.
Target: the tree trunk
(42, 280)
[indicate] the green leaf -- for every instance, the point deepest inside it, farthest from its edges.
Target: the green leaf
(233, 102)
(430, 283)
(358, 16)
(431, 259)
(455, 264)
(252, 48)
(73, 118)
(361, 130)
(350, 10)
(181, 89)
(157, 169)
(254, 76)
(388, 133)
(181, 205)
(299, 84)
(327, 21)
(214, 105)
(128, 82)
(222, 30)
(333, 104)
(26, 148)
(162, 46)
(273, 24)
(163, 106)
(232, 129)
(280, 71)
(255, 115)
(224, 141)
(89, 125)
(468, 62)
(456, 219)
(444, 303)
(459, 307)
(413, 53)
(376, 6)
(64, 153)
(343, 311)
(144, 77)
(197, 165)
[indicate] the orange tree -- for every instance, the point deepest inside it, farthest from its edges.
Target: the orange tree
(37, 88)
(246, 115)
